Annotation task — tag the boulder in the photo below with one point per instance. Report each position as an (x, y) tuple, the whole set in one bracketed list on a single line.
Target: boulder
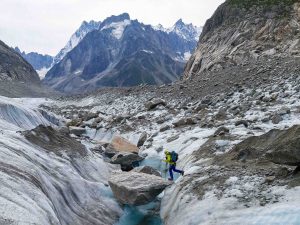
[(242, 122), (283, 111), (78, 131), (147, 170), (120, 118), (119, 144), (180, 122), (100, 147), (277, 146), (75, 122), (200, 107), (185, 121), (276, 119), (136, 188), (98, 119), (154, 103), (94, 125), (221, 131), (173, 138), (142, 139), (164, 128), (221, 115), (126, 158), (90, 115)]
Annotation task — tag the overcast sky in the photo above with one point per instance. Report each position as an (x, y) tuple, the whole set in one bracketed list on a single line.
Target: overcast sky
[(45, 26)]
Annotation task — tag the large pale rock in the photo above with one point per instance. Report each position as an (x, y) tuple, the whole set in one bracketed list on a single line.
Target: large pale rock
[(147, 170), (119, 144), (136, 188)]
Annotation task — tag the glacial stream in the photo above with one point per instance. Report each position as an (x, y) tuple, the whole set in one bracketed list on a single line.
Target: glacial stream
[(50, 187), (143, 215), (137, 215)]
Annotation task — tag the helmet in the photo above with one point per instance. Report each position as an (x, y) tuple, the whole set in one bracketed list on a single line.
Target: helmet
[(166, 152)]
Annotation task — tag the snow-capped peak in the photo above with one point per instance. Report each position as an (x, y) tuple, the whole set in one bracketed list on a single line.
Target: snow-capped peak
[(118, 23), (118, 28), (114, 19), (159, 27), (186, 31), (85, 28)]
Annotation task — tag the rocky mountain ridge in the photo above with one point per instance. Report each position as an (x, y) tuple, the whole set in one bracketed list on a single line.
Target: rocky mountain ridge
[(38, 61), (244, 33), (14, 68), (41, 63), (124, 52), (79, 34)]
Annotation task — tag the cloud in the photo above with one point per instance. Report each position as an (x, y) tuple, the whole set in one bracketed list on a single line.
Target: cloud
[(46, 25)]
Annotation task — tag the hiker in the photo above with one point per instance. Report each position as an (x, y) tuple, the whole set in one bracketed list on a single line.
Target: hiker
[(171, 159)]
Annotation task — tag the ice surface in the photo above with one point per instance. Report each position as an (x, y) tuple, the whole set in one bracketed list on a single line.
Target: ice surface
[(180, 205), (187, 209), (40, 187)]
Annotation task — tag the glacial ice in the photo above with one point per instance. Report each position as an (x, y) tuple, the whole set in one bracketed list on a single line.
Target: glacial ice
[(40, 187)]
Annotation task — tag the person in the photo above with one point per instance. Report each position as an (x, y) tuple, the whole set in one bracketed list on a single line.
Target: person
[(171, 158)]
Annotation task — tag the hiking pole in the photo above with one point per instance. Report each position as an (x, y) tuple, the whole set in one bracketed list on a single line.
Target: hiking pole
[(165, 170)]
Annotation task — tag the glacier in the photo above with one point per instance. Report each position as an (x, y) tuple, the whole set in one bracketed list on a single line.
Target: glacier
[(40, 187)]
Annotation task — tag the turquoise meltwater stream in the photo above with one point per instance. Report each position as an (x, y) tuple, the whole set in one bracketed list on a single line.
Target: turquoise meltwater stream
[(143, 215)]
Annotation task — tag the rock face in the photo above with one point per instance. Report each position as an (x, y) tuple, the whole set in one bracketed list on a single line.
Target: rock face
[(244, 32), (38, 61), (14, 68), (79, 34), (122, 52), (136, 188), (17, 77)]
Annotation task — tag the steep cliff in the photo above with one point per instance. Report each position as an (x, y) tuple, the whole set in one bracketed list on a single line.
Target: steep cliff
[(13, 67), (242, 33)]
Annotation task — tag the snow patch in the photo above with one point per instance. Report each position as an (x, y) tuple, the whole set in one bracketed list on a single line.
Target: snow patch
[(147, 51), (187, 55), (42, 72), (118, 28)]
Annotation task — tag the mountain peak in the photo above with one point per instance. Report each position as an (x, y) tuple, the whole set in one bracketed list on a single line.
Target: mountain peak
[(179, 22), (124, 16), (17, 49), (115, 19), (89, 25), (186, 31)]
